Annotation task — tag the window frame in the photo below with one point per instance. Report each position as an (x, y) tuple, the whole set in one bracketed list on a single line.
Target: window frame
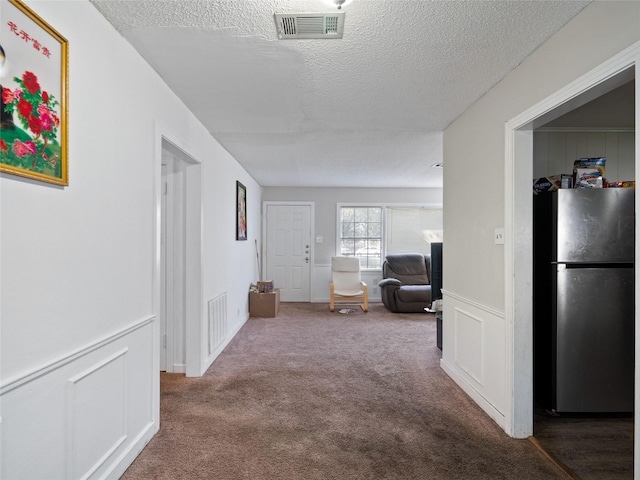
[(383, 239)]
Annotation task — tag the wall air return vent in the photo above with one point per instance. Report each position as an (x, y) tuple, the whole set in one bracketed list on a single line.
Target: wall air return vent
[(309, 25)]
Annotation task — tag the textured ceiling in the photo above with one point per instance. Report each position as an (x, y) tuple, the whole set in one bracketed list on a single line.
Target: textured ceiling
[(367, 110)]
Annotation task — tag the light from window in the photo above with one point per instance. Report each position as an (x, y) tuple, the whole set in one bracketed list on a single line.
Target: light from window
[(411, 229), (361, 235)]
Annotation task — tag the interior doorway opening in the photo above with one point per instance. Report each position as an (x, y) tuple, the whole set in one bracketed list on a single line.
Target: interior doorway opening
[(518, 223), (584, 345), (179, 261)]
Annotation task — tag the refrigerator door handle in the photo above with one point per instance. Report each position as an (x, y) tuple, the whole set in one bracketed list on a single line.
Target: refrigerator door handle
[(595, 264)]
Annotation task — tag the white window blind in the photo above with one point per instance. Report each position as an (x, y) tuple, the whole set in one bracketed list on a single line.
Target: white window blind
[(412, 229)]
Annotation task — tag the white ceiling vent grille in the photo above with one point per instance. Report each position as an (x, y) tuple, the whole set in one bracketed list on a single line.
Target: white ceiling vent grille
[(309, 25)]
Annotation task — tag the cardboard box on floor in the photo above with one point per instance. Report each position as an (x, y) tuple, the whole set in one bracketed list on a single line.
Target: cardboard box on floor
[(264, 304)]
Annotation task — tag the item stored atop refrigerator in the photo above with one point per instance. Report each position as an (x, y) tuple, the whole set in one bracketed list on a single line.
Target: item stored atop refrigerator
[(598, 162), (552, 183), (588, 178), (624, 184), (589, 172)]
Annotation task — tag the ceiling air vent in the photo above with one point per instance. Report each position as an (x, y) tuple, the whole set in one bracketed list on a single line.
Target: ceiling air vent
[(309, 25)]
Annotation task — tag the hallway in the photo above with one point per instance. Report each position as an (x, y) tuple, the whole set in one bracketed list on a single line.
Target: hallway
[(316, 395)]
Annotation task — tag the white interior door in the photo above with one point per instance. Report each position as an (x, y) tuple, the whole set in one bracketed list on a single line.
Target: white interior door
[(172, 303), (288, 250)]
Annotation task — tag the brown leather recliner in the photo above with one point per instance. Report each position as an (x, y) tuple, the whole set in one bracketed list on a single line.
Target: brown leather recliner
[(406, 284)]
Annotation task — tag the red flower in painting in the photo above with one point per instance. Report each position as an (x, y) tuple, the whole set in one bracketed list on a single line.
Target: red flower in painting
[(7, 96), (31, 82), (35, 125), (47, 121), (35, 110), (25, 108), (43, 109), (23, 149)]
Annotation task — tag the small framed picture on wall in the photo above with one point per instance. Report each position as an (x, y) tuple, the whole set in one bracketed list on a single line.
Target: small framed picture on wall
[(241, 211)]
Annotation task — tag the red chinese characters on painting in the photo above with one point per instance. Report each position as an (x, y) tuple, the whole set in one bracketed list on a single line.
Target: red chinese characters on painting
[(28, 38)]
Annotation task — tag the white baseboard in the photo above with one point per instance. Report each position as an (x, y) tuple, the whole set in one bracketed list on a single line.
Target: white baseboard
[(211, 358), (128, 456), (179, 368), (473, 352), (474, 394)]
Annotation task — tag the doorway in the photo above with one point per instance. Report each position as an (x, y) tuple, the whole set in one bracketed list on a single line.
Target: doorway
[(518, 221), (173, 278), (584, 418), (179, 262), (288, 249)]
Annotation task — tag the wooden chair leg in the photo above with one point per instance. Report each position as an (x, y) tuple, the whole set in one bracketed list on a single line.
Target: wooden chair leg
[(331, 299), (365, 307)]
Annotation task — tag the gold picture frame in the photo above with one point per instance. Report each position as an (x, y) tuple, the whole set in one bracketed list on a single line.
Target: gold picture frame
[(33, 68)]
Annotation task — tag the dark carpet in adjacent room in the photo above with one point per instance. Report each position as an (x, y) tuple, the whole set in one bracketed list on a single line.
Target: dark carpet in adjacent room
[(319, 395)]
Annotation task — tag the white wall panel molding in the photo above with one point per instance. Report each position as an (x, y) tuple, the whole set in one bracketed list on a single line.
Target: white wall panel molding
[(97, 401), (477, 397), (473, 354), (473, 303), (320, 279), (469, 344), (87, 414), (47, 368), (555, 150)]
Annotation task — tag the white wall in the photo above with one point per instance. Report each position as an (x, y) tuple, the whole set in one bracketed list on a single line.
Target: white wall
[(475, 326), (554, 151), (326, 200), (79, 345), (325, 203)]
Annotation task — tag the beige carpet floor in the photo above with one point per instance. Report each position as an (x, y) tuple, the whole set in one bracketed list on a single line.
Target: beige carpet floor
[(319, 395)]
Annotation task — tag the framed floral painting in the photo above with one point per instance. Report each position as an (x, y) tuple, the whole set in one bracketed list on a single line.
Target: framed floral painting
[(34, 85), (241, 211)]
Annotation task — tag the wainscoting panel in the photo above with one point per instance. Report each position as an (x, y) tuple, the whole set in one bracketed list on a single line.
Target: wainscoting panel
[(88, 413), (321, 276), (97, 412), (473, 352), (217, 322), (469, 344)]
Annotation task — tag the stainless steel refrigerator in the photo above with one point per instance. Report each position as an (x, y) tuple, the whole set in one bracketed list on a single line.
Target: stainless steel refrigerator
[(584, 297)]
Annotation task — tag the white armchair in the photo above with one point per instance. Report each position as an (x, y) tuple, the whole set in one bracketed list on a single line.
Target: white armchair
[(346, 284)]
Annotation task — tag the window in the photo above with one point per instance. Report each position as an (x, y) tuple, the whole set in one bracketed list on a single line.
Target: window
[(372, 232), (412, 229), (361, 235)]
